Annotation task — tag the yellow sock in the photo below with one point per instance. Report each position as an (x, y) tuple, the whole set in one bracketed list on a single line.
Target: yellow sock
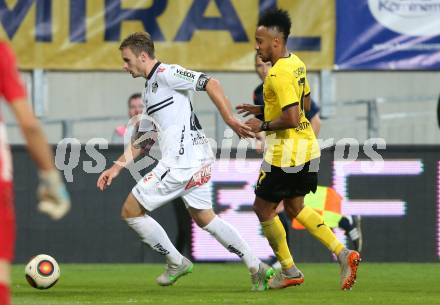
[(276, 235), (314, 223)]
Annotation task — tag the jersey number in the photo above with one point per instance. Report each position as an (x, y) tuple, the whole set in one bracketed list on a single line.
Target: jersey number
[(261, 177)]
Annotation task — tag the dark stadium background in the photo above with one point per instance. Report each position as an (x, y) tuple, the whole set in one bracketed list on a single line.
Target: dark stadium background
[(94, 232)]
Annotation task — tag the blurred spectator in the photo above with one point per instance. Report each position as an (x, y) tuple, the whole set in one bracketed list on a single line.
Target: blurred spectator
[(123, 133), (52, 195)]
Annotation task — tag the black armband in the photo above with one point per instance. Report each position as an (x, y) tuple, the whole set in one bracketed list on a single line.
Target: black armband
[(202, 82), (265, 126)]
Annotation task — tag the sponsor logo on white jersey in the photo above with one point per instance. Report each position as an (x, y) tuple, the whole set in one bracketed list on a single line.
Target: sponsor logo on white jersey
[(199, 178), (168, 112)]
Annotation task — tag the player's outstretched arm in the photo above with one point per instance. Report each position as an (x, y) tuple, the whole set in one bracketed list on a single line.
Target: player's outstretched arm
[(215, 92), (53, 197), (289, 118), (107, 176)]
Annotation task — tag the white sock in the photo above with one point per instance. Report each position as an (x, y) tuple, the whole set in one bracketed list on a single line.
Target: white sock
[(229, 237), (152, 233)]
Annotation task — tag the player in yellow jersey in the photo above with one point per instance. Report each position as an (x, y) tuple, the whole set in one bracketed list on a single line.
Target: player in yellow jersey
[(291, 161), (326, 201)]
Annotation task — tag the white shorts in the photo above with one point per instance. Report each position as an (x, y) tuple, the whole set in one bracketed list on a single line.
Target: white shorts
[(164, 184)]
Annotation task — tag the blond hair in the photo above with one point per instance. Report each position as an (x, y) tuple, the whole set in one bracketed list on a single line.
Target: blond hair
[(139, 42)]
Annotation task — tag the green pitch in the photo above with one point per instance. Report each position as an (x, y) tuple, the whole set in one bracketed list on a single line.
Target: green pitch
[(116, 284)]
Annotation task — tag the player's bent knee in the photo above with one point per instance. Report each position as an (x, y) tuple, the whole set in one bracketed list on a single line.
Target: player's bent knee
[(202, 217), (132, 208), (293, 207), (264, 210)]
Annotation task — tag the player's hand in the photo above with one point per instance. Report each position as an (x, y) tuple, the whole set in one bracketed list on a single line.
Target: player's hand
[(53, 198), (105, 179), (240, 129), (247, 109), (254, 124)]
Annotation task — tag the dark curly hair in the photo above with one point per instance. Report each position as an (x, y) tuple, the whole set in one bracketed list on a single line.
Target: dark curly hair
[(277, 18)]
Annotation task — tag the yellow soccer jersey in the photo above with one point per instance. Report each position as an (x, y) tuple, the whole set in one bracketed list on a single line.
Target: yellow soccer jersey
[(286, 84)]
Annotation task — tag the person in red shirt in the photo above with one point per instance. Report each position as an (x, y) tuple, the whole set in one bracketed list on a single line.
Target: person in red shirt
[(52, 195)]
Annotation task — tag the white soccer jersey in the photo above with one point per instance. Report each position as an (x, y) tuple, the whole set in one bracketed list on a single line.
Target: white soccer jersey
[(168, 110)]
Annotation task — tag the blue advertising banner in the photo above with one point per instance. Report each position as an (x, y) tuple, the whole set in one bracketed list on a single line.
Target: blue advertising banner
[(388, 34)]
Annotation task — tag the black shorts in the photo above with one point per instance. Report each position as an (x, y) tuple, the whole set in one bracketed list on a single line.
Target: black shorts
[(276, 183)]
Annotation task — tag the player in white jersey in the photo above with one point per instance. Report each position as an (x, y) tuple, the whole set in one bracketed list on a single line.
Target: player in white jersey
[(184, 169)]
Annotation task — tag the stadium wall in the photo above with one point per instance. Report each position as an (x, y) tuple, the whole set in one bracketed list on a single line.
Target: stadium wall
[(71, 95), (397, 200)]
